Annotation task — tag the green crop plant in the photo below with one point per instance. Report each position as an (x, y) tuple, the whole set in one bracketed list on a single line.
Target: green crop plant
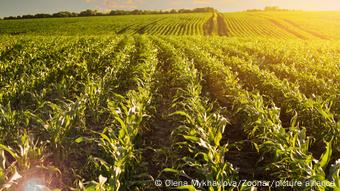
[(200, 129), (27, 162), (263, 124), (121, 102)]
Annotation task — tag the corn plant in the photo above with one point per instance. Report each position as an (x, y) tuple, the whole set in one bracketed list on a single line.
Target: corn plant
[(127, 113), (201, 130), (263, 124), (25, 162)]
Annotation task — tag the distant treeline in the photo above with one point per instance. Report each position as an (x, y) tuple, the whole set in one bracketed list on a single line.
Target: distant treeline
[(90, 12), (272, 8)]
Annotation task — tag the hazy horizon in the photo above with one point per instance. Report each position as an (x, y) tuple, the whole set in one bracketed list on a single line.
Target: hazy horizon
[(17, 7)]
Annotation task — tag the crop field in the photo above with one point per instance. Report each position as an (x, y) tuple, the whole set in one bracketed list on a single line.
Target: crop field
[(278, 25), (179, 24), (284, 25), (224, 101)]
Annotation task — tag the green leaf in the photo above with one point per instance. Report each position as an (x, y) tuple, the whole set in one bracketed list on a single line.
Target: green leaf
[(105, 137), (171, 170), (326, 156), (121, 122), (121, 134), (256, 146), (79, 140), (182, 113), (293, 120), (218, 138), (9, 150), (191, 138)]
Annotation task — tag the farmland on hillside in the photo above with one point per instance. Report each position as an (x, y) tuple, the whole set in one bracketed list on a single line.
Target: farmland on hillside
[(249, 99)]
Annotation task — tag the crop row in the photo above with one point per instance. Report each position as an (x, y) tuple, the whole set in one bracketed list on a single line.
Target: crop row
[(315, 115), (261, 123), (121, 111)]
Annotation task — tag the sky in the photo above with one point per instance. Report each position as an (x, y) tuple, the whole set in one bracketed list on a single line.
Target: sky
[(21, 7)]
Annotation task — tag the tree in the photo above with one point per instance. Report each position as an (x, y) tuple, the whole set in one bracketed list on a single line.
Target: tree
[(88, 12), (173, 11), (271, 8), (42, 15), (62, 14), (10, 18), (203, 10), (27, 16)]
